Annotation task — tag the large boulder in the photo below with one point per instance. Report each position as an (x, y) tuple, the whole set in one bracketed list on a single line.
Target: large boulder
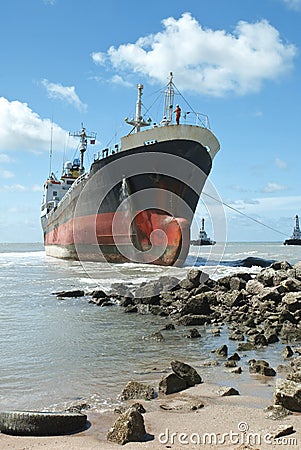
[(186, 372), (135, 389), (197, 305), (129, 427), (171, 384), (288, 394)]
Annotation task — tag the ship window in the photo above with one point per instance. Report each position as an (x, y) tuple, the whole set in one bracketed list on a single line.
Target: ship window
[(69, 182), (54, 193)]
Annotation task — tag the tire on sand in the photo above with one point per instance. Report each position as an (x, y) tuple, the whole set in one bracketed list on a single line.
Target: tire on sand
[(37, 423)]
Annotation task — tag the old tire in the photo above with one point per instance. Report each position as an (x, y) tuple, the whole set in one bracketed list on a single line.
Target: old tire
[(37, 423)]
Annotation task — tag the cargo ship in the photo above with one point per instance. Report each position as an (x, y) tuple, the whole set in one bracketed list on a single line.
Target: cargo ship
[(137, 201)]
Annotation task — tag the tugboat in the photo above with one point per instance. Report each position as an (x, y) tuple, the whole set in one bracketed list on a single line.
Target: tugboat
[(295, 238), (203, 238)]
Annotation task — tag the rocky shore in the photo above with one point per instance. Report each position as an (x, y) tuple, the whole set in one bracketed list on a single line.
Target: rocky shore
[(258, 310)]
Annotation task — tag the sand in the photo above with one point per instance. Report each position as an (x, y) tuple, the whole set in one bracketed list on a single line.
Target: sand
[(241, 418)]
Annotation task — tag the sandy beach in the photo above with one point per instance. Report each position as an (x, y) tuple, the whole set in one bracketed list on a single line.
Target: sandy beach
[(179, 421)]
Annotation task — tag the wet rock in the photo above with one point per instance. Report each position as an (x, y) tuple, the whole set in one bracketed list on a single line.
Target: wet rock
[(137, 390), (237, 370), (197, 305), (226, 391), (230, 364), (99, 293), (191, 320), (221, 351), (169, 326), (234, 357), (129, 427), (236, 336), (185, 371), (287, 352), (171, 384), (157, 336), (288, 394), (262, 368), (131, 309), (73, 294), (193, 334)]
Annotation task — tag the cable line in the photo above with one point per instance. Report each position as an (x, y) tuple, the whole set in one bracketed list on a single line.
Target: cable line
[(243, 214)]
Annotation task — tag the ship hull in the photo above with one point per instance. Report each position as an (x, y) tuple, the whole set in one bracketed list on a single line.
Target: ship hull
[(292, 242), (136, 205)]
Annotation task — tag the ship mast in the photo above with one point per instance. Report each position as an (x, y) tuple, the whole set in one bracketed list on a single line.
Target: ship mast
[(169, 99), (83, 144), (138, 122)]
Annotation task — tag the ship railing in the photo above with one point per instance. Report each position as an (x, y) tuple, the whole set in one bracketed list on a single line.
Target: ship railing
[(195, 118)]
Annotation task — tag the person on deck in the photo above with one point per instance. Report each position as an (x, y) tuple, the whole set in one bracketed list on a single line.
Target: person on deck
[(177, 111)]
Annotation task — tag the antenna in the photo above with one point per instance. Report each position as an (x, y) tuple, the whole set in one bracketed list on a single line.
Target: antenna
[(83, 144), (50, 150)]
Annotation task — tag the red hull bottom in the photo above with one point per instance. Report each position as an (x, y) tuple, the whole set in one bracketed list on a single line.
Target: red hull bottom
[(151, 238)]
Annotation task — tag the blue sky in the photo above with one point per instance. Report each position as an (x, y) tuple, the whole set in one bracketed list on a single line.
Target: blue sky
[(64, 62)]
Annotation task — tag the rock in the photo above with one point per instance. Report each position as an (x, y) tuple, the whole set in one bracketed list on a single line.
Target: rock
[(276, 412), (288, 394), (171, 384), (197, 305), (129, 427), (287, 352), (221, 351), (234, 357), (131, 309), (281, 265), (99, 293), (169, 326), (292, 301), (282, 430), (262, 368), (225, 391), (72, 294), (294, 376), (138, 406), (236, 370), (185, 371), (191, 320), (157, 336), (194, 333), (245, 346), (236, 336), (137, 390), (230, 364)]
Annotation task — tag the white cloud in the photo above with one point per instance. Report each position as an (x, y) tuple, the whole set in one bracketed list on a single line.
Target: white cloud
[(117, 79), (280, 164), (65, 93), (23, 129), (13, 188), (273, 187), (5, 158), (5, 174), (293, 4), (49, 2), (206, 61)]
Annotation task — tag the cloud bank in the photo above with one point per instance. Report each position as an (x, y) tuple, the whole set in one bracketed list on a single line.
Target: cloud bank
[(23, 129), (210, 62)]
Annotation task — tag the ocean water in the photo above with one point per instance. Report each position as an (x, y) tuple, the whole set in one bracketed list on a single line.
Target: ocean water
[(53, 352)]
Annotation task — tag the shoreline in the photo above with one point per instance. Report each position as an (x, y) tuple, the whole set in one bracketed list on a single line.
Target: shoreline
[(222, 423)]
